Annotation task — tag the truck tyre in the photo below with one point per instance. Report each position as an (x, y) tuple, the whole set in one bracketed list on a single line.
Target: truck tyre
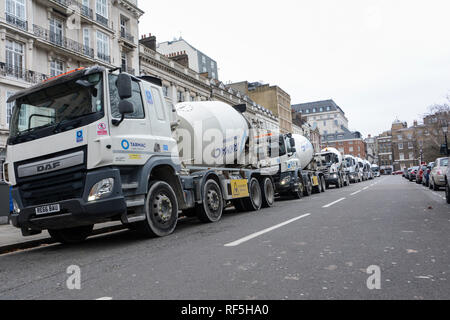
[(308, 188), (339, 183), (254, 202), (268, 192), (297, 195), (211, 209), (71, 236), (447, 193), (161, 210), (323, 184)]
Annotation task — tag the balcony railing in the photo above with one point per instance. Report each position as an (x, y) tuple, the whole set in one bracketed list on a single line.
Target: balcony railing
[(104, 57), (63, 42), (101, 19), (20, 73), (17, 22), (126, 36), (84, 10)]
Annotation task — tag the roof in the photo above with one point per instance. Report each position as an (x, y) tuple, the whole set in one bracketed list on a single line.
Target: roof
[(356, 135), (302, 107)]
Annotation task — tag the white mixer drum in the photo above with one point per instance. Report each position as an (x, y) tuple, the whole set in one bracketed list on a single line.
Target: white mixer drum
[(211, 133)]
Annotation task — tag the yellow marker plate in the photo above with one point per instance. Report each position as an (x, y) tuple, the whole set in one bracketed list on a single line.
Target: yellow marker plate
[(315, 181), (239, 189)]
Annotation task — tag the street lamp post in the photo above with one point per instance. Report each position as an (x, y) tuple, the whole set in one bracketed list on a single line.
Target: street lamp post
[(445, 130)]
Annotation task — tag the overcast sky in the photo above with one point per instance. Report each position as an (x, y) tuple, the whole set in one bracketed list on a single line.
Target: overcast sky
[(378, 60)]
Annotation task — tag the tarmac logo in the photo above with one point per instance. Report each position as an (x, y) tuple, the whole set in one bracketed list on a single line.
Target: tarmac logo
[(74, 280), (374, 281)]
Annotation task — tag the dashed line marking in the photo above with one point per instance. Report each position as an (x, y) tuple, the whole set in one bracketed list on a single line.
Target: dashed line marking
[(355, 193), (260, 233), (104, 299), (333, 203)]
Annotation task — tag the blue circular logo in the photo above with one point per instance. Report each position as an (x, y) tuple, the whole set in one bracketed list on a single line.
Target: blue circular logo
[(125, 145)]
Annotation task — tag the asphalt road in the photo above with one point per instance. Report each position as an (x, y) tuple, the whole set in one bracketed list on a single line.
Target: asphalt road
[(315, 248)]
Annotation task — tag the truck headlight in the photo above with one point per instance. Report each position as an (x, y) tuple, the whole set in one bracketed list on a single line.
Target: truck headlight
[(15, 207), (101, 189), (285, 181)]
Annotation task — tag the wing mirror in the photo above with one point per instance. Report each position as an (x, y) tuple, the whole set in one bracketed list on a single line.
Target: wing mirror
[(124, 86), (125, 107)]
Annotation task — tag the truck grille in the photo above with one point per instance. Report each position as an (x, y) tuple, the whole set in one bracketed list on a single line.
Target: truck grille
[(62, 185), (52, 187)]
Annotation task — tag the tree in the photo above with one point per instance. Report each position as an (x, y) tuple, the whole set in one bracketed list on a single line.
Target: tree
[(434, 137)]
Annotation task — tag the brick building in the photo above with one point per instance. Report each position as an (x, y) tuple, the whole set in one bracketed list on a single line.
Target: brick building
[(347, 143)]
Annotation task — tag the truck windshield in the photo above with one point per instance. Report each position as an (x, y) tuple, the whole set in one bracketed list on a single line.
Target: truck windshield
[(58, 108)]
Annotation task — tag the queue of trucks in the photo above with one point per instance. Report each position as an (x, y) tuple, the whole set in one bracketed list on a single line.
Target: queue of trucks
[(97, 145)]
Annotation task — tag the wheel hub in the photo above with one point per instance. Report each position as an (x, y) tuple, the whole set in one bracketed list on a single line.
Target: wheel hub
[(213, 200), (163, 207)]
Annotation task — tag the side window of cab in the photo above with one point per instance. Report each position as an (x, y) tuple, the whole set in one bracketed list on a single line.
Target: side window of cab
[(136, 99)]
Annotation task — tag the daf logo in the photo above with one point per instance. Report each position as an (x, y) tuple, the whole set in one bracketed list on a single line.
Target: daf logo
[(49, 166)]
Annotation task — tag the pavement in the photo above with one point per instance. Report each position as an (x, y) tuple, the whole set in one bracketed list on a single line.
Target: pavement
[(11, 238), (320, 247)]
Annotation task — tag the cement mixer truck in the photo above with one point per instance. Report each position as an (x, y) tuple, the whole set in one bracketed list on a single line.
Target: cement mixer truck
[(96, 145), (297, 176)]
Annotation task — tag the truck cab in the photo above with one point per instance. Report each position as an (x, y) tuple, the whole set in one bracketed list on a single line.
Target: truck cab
[(353, 169), (331, 161), (81, 147)]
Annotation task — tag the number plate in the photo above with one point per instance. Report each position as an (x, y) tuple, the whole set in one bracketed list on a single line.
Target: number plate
[(54, 208)]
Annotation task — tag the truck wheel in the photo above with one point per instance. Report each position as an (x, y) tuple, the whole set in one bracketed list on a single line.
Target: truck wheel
[(254, 202), (211, 209), (297, 195), (308, 189), (268, 193), (447, 193), (323, 184), (161, 208), (71, 236)]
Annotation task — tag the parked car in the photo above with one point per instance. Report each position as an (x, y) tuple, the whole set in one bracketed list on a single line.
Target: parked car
[(398, 173), (405, 173), (413, 173), (408, 173), (447, 185), (426, 175), (421, 173), (437, 176)]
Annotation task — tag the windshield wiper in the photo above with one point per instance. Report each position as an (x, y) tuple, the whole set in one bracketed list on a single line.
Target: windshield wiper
[(59, 126)]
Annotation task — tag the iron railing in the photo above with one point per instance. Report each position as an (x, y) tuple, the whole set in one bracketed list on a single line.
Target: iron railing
[(63, 42), (126, 36), (101, 19), (104, 57), (17, 22), (20, 73), (84, 10)]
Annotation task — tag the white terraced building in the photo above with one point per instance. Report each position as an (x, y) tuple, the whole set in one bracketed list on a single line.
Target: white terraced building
[(44, 38)]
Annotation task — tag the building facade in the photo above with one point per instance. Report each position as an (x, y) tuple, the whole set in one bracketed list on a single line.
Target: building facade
[(40, 39), (198, 61), (385, 155), (181, 83), (347, 143), (371, 149), (326, 115), (272, 98)]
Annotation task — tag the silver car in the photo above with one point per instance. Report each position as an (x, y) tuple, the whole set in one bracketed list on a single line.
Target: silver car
[(438, 174)]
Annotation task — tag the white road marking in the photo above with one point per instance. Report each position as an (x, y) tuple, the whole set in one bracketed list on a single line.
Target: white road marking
[(260, 233), (333, 203), (104, 299), (355, 193), (365, 188)]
